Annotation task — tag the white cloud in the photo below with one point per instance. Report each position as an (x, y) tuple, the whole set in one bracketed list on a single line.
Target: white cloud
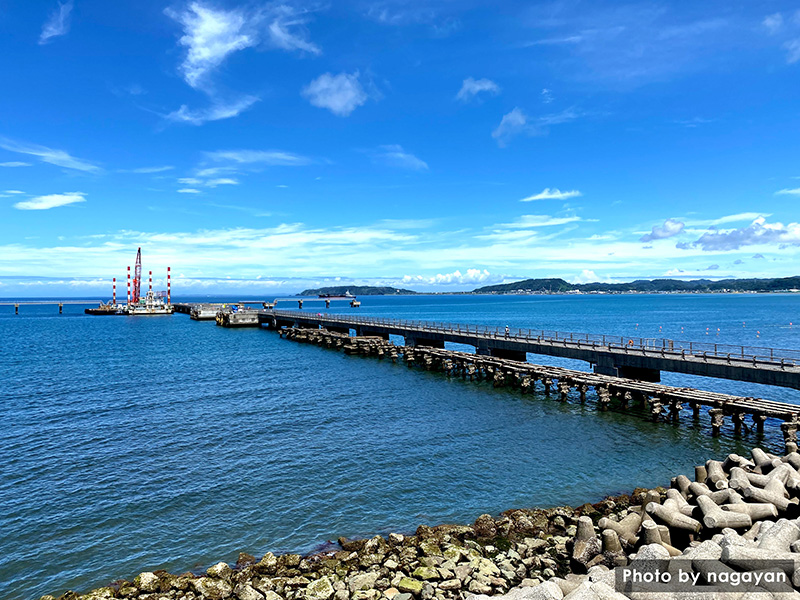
[(471, 276), (13, 192), (13, 164), (512, 124), (48, 155), (285, 31), (188, 191), (470, 88), (547, 96), (216, 112), (58, 23), (51, 201), (222, 181), (152, 169), (788, 192), (552, 194), (394, 156), (210, 35), (266, 157), (670, 228), (757, 233), (341, 94), (773, 22), (586, 276), (529, 221), (190, 181), (517, 122), (792, 51)]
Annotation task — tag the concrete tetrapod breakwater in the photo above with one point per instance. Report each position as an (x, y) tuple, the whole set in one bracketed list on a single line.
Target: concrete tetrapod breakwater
[(737, 520), (660, 401)]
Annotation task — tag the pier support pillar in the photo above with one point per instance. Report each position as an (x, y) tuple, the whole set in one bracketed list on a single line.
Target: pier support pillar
[(717, 420), (789, 430), (603, 398), (758, 421), (640, 374), (582, 388), (607, 365), (563, 390), (61, 308), (373, 333), (517, 355), (16, 309)]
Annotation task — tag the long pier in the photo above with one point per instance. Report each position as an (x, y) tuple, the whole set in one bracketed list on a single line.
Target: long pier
[(59, 303), (619, 356), (661, 402)]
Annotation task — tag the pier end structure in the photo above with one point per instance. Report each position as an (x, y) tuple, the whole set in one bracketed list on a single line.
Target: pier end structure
[(609, 355)]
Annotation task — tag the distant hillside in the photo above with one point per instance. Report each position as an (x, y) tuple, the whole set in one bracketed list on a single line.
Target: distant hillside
[(357, 290), (556, 286)]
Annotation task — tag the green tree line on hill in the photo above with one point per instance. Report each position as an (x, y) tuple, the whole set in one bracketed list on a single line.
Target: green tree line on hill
[(556, 286)]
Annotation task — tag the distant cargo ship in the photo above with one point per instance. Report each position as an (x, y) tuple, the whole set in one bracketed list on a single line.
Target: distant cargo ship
[(347, 295)]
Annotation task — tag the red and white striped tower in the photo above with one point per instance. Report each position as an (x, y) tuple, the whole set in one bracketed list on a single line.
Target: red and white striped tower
[(168, 287), (129, 284), (114, 297), (151, 281)]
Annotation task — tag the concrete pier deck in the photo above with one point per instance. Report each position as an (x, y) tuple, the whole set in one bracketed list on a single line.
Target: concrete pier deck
[(629, 357)]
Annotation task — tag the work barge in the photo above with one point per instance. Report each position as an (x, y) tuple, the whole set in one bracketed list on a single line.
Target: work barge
[(619, 392)]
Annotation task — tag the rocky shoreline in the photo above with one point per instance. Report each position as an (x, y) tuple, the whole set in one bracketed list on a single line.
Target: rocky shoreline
[(736, 512)]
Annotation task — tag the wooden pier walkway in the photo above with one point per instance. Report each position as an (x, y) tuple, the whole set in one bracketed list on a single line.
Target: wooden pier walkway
[(660, 401), (627, 357)]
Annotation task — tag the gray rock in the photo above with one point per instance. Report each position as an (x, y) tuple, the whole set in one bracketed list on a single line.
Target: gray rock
[(247, 592), (213, 589), (362, 581), (549, 590), (147, 582), (220, 570)]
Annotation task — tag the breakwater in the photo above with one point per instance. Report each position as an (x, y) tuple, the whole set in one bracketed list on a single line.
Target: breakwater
[(738, 515), (661, 402)]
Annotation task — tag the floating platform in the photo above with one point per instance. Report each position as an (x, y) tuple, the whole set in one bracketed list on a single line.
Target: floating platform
[(102, 311), (238, 318)]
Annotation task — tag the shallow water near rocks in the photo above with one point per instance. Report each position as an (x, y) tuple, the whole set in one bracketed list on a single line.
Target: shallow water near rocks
[(138, 444)]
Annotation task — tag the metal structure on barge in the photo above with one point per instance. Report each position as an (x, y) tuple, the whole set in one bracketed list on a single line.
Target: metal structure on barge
[(151, 303)]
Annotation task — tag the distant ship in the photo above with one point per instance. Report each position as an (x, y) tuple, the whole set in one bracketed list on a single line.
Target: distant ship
[(347, 295)]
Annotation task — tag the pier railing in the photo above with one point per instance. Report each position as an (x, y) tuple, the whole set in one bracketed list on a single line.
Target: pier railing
[(666, 348)]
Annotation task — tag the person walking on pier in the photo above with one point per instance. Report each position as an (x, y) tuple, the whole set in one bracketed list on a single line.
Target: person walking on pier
[(507, 330)]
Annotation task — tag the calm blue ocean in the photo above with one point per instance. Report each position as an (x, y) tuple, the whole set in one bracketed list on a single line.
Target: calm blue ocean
[(132, 444)]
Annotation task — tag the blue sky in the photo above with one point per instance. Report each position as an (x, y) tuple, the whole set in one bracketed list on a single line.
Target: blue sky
[(261, 146)]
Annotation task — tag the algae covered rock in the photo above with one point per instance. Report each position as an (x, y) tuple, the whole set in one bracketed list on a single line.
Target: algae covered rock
[(410, 585), (426, 573), (213, 589), (321, 589)]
